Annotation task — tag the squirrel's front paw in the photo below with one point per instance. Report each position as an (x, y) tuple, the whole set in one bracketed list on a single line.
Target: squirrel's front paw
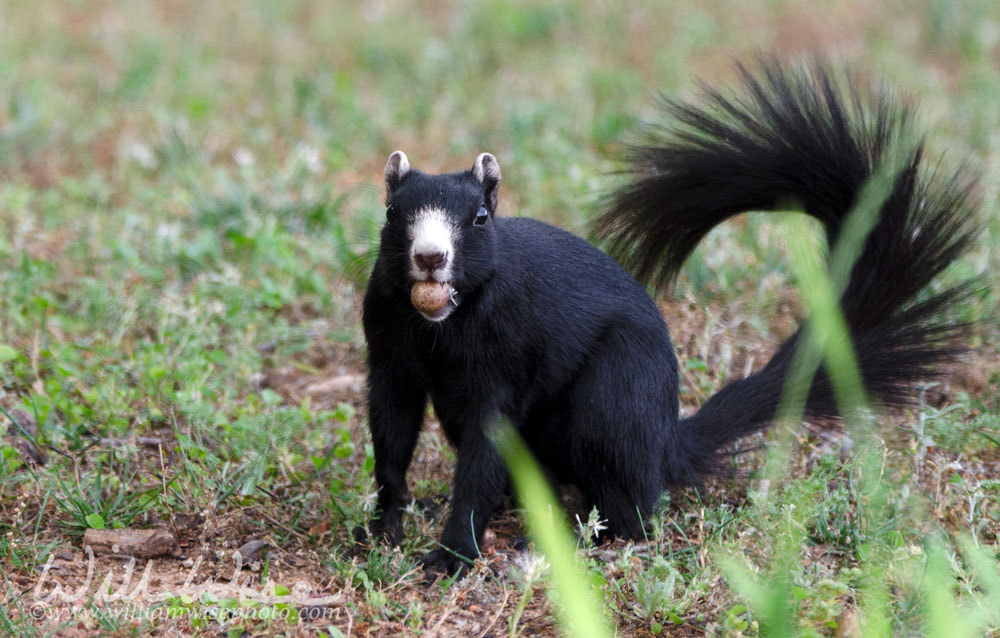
[(443, 561), (385, 528)]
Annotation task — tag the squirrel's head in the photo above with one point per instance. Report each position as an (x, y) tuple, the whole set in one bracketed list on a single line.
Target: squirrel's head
[(439, 228)]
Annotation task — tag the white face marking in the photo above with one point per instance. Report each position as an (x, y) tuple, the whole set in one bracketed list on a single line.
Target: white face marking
[(442, 314), (431, 233)]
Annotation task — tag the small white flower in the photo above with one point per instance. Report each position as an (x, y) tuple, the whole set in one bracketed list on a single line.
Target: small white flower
[(309, 156), (592, 528), (244, 157), (532, 566), (168, 232), (368, 501), (140, 153)]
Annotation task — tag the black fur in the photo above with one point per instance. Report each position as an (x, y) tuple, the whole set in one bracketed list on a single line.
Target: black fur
[(553, 334)]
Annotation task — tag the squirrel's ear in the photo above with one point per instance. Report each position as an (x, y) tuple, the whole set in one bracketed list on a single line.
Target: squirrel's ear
[(395, 168), (487, 171)]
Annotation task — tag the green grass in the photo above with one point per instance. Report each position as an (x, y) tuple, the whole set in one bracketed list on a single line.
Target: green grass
[(189, 200)]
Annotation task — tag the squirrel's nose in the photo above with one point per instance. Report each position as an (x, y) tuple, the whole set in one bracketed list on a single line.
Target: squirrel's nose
[(430, 261)]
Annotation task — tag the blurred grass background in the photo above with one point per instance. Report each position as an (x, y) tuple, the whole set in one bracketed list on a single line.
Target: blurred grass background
[(189, 193)]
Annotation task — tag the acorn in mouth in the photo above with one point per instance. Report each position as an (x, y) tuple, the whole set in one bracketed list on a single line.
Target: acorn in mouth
[(430, 297)]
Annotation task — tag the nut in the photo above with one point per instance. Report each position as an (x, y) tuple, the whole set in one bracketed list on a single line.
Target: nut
[(430, 296)]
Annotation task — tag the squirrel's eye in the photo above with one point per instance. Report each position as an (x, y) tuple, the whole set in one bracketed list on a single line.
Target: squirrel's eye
[(481, 216), (390, 211)]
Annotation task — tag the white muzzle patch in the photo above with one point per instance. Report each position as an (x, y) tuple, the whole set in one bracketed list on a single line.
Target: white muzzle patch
[(431, 233)]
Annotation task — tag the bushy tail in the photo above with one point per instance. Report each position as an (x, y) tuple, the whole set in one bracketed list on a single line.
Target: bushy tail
[(803, 139)]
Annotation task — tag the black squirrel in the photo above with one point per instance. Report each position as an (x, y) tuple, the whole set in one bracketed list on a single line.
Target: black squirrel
[(543, 328)]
